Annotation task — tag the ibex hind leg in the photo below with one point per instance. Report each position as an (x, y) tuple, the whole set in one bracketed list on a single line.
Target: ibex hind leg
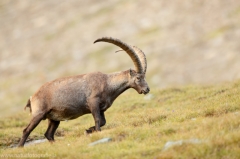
[(26, 132), (52, 127)]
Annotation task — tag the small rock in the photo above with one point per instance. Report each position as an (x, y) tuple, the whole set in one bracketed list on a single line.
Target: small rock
[(104, 140), (34, 142), (148, 96), (180, 142)]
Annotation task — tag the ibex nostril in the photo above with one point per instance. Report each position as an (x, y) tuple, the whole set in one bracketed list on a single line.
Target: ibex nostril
[(148, 90)]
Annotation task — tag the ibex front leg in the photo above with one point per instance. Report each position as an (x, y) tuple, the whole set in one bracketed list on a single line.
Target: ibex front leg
[(99, 119)]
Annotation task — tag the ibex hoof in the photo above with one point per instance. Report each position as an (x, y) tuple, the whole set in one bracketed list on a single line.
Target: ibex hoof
[(88, 132)]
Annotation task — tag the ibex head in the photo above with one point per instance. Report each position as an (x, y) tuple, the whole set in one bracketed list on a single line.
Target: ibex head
[(137, 76)]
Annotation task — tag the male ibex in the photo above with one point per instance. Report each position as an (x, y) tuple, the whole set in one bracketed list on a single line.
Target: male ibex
[(70, 97)]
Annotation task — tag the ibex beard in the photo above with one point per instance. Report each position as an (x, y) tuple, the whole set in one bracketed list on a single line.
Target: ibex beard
[(70, 97)]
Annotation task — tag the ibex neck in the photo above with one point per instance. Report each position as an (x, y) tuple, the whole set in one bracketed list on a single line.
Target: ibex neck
[(118, 83)]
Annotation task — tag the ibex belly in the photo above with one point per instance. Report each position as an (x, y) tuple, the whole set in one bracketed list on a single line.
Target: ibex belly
[(67, 112)]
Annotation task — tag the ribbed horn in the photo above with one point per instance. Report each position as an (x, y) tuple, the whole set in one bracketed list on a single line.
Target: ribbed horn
[(128, 49), (141, 57)]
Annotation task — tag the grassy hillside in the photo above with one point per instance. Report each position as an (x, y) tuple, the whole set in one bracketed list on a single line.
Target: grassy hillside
[(44, 40), (140, 127), (185, 43)]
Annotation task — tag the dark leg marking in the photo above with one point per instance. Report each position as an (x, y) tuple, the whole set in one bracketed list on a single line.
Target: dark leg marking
[(101, 122), (52, 127)]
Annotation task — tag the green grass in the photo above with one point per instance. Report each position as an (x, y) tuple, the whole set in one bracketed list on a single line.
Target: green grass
[(140, 128)]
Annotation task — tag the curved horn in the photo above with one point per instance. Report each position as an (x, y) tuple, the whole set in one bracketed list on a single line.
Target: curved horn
[(142, 58), (128, 49)]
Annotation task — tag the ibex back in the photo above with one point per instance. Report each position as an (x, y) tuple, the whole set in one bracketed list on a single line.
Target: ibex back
[(70, 97)]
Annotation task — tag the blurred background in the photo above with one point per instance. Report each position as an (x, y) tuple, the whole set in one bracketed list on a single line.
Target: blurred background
[(186, 42)]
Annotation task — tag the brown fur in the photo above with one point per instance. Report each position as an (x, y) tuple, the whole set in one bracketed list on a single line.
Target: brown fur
[(70, 97)]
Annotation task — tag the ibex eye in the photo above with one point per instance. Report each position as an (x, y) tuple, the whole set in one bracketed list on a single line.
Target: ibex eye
[(138, 78)]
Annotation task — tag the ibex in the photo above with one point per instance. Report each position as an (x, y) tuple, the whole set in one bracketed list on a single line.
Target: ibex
[(70, 97)]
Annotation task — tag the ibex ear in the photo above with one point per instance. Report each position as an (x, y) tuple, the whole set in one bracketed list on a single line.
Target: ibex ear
[(132, 72)]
